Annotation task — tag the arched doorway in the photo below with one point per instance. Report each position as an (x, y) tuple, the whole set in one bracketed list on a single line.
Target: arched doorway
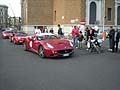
[(118, 15), (92, 13)]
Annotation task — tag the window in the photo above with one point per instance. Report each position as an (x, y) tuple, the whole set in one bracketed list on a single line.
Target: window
[(118, 15), (92, 13), (109, 14), (55, 16)]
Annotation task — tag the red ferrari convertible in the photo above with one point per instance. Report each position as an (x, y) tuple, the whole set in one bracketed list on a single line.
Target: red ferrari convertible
[(49, 45), (18, 38)]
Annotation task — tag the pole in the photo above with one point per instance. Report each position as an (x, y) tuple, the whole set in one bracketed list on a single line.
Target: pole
[(103, 15), (103, 32)]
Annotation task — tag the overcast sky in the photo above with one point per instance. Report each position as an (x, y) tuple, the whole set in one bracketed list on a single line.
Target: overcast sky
[(14, 8)]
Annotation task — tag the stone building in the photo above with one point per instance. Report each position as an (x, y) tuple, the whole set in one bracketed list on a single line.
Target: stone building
[(3, 16), (68, 12)]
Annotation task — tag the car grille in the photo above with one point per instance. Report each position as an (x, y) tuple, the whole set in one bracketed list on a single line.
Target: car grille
[(65, 51)]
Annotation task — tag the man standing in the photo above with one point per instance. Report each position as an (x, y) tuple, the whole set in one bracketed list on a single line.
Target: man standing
[(51, 30), (111, 38), (91, 33), (37, 30), (60, 32), (75, 34), (116, 40)]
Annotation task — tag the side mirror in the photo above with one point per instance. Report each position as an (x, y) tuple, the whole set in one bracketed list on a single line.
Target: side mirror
[(33, 38), (30, 37)]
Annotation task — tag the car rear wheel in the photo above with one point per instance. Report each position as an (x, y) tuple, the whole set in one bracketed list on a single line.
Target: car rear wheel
[(10, 40), (24, 45), (41, 52)]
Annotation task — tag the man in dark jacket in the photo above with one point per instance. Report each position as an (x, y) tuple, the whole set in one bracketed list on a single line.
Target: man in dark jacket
[(91, 33), (60, 32), (116, 40), (111, 37)]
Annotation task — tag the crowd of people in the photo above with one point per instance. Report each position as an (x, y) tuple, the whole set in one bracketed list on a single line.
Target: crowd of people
[(88, 35), (113, 34), (44, 29)]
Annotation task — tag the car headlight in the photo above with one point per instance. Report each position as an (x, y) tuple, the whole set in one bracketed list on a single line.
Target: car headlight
[(4, 34), (19, 38), (71, 44), (49, 45)]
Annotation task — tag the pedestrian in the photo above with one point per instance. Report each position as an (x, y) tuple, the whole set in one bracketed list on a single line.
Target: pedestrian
[(46, 30), (75, 34), (87, 33), (91, 33), (60, 32), (51, 30), (111, 38), (116, 41), (82, 29), (43, 30), (80, 39), (90, 36), (37, 30)]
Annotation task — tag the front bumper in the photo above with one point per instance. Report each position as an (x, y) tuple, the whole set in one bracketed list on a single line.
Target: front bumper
[(59, 53), (5, 37), (19, 41)]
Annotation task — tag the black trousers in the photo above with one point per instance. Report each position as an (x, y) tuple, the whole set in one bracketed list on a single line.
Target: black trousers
[(111, 43), (115, 46)]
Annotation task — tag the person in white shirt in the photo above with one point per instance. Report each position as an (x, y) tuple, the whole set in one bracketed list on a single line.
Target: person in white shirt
[(82, 29), (37, 30)]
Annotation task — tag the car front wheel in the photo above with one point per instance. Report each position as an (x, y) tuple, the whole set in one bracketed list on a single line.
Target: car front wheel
[(24, 45), (41, 52)]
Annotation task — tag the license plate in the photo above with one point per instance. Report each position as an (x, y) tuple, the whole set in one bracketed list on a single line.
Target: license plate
[(66, 54)]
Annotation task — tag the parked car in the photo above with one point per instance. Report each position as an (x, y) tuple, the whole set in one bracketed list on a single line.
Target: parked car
[(18, 38), (49, 45), (7, 34)]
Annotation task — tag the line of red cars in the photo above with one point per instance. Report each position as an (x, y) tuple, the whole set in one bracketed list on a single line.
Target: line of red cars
[(14, 36), (44, 44)]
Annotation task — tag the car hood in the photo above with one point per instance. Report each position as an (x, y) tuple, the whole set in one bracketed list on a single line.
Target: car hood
[(59, 43), (21, 37), (8, 34)]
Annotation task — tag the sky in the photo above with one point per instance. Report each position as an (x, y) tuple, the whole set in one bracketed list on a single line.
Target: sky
[(14, 8)]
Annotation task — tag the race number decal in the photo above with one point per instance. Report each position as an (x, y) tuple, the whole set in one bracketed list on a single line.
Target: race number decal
[(12, 38), (30, 44)]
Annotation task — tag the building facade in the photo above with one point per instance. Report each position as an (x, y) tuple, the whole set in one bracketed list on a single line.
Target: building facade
[(3, 16), (102, 13)]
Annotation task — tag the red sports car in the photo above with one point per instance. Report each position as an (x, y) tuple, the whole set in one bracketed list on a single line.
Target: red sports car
[(49, 45), (18, 38), (7, 34)]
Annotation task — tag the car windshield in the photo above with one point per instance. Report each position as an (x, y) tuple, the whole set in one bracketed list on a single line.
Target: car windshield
[(21, 34), (46, 37), (10, 31)]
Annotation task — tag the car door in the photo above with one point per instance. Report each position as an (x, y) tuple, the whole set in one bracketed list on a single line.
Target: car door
[(35, 43)]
